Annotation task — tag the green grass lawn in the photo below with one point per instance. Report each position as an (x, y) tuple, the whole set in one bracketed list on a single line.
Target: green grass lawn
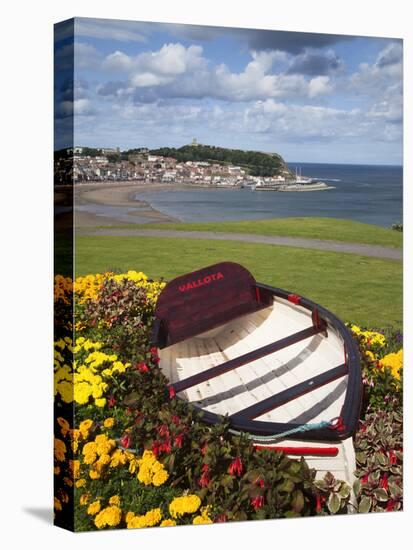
[(314, 228), (366, 291)]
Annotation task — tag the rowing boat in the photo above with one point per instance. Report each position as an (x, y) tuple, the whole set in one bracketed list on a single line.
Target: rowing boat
[(285, 370)]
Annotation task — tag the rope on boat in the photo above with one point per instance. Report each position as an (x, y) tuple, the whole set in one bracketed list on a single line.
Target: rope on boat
[(300, 429)]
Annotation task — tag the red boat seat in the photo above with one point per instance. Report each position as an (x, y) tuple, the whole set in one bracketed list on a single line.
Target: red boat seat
[(205, 299)]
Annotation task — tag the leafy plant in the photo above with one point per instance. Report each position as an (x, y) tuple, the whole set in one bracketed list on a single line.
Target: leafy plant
[(379, 455)]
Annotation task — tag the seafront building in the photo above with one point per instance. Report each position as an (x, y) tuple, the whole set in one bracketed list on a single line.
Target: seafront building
[(143, 167), (81, 165)]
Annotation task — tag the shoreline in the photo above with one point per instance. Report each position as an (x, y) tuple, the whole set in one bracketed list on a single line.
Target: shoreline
[(121, 199)]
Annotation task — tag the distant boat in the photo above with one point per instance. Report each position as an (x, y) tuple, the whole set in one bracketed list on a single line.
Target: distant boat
[(298, 183), (302, 179), (284, 369)]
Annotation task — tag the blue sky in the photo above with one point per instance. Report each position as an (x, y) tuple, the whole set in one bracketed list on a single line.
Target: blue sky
[(309, 97)]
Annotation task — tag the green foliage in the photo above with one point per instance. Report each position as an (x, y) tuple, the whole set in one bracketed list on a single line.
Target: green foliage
[(257, 163), (90, 152), (397, 227), (333, 495), (383, 391), (121, 318), (379, 455)]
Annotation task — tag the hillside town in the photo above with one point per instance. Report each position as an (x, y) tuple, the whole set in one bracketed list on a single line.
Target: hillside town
[(143, 167), (140, 166)]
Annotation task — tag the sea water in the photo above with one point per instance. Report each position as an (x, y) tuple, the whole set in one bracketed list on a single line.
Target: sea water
[(370, 194)]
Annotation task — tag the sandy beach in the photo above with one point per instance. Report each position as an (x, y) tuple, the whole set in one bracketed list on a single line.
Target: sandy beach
[(115, 204)]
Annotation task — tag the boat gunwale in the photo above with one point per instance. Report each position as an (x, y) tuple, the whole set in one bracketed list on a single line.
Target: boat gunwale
[(350, 411)]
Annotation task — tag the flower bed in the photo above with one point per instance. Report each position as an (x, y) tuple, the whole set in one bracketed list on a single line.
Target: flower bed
[(129, 456)]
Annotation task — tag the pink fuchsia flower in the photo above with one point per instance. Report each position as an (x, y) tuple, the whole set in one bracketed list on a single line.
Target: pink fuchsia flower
[(318, 504), (154, 353), (260, 482), (165, 447), (125, 441), (171, 392), (257, 502), (205, 477), (235, 468), (178, 440), (142, 367), (163, 430), (155, 448)]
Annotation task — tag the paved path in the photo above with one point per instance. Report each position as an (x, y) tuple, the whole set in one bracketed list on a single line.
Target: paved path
[(318, 244)]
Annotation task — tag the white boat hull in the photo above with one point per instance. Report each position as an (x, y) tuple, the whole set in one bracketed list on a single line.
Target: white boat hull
[(260, 379)]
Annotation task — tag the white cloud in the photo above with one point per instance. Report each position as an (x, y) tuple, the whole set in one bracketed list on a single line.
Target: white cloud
[(117, 61), (171, 59), (376, 77), (78, 107), (392, 54), (184, 72), (319, 85), (310, 122), (86, 56)]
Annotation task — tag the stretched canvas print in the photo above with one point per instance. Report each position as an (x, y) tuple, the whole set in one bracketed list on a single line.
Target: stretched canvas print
[(228, 274)]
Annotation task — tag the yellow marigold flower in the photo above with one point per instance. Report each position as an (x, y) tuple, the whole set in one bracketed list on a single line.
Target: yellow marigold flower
[(90, 458), (74, 466), (60, 344), (104, 445), (68, 481), (187, 504), (160, 477), (150, 519), (370, 355), (394, 362), (129, 516), (84, 427), (133, 464), (115, 500), (57, 504), (104, 460), (150, 470), (109, 422), (118, 458), (82, 392), (94, 508), (56, 470), (109, 516), (80, 483), (89, 447), (64, 497), (167, 523), (64, 425), (200, 520), (153, 517), (100, 402), (94, 474), (65, 388), (59, 449), (84, 499)]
